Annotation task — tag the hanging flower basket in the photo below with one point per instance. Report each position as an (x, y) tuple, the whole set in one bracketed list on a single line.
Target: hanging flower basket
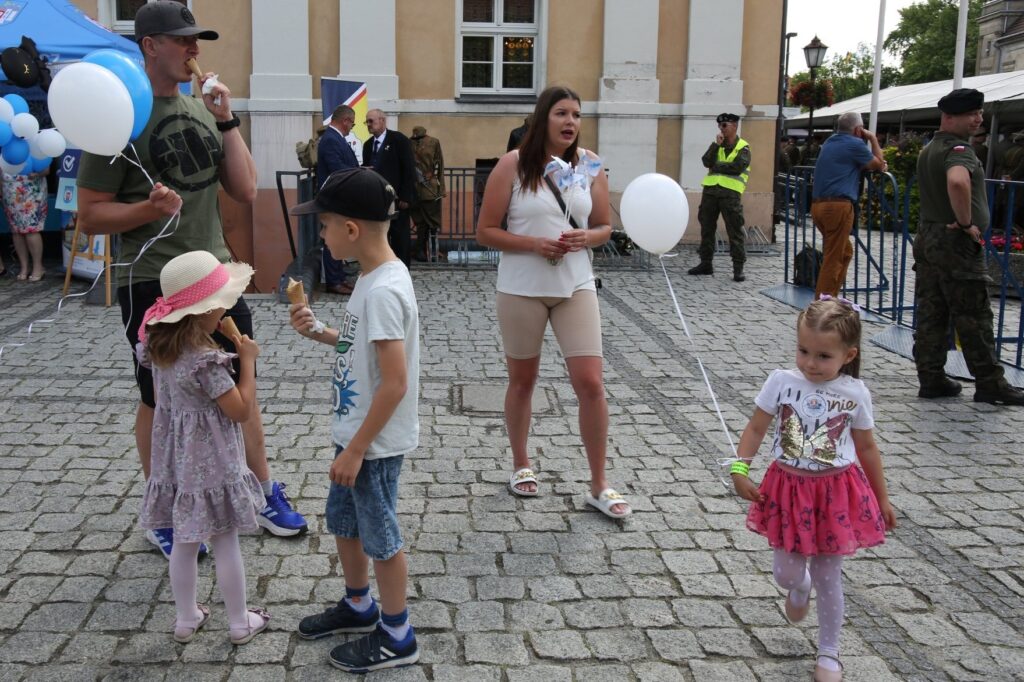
[(819, 96)]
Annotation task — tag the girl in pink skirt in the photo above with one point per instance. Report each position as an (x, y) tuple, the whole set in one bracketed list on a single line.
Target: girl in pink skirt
[(824, 495)]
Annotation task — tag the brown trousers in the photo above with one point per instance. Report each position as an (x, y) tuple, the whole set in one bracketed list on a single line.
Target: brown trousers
[(834, 219)]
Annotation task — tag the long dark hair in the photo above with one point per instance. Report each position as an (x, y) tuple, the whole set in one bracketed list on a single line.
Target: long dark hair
[(532, 153)]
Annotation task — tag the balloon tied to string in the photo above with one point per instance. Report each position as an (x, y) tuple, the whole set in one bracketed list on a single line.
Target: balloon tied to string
[(655, 213)]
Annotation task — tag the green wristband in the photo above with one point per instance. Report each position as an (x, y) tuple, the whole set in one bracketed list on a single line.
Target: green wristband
[(741, 468)]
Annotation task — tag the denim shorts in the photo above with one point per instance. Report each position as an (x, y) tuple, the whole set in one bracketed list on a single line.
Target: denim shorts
[(368, 510)]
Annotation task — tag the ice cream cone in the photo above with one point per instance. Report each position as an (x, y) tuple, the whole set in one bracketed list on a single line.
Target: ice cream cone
[(295, 291), (194, 66), (228, 328)]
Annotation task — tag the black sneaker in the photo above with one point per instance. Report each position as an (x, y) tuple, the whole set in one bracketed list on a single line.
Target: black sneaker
[(1000, 395), (339, 619), (947, 389), (375, 651)]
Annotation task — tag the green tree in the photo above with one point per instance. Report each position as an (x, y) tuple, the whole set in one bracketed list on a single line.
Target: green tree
[(850, 73), (925, 40)]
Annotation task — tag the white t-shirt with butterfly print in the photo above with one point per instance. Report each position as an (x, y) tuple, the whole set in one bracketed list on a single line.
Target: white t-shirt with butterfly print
[(813, 420)]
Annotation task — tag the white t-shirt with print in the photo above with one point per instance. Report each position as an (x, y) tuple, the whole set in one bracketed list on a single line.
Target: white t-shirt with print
[(382, 308), (813, 420)]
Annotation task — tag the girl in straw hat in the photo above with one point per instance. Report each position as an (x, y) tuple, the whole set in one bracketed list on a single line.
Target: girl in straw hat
[(199, 483)]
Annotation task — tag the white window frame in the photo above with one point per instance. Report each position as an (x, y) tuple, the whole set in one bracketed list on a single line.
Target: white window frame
[(107, 11), (499, 30)]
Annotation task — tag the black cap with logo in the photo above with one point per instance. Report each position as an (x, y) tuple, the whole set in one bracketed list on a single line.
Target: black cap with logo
[(167, 17), (359, 193)]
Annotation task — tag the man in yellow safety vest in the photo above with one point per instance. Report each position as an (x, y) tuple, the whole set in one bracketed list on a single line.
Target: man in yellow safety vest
[(728, 164)]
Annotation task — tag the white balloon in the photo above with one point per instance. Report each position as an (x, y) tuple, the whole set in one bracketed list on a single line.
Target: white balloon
[(25, 126), (654, 212), (50, 143), (6, 111), (91, 108), (33, 147), (10, 168)]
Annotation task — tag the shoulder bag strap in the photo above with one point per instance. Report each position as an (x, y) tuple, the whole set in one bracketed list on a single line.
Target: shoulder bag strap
[(561, 202)]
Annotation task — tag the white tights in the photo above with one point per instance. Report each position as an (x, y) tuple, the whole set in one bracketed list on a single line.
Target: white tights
[(826, 574), (230, 581)]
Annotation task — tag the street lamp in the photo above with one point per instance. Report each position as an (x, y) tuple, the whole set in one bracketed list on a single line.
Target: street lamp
[(814, 53), (785, 72)]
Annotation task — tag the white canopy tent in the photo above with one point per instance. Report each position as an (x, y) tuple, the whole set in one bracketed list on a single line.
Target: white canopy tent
[(1004, 96)]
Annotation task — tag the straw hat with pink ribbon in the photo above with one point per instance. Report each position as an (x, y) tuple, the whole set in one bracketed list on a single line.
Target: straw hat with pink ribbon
[(195, 283)]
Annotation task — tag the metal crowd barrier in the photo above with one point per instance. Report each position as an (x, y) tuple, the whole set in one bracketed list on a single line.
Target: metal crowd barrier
[(880, 278)]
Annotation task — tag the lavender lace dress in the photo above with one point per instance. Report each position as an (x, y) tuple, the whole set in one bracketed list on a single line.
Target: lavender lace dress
[(199, 484)]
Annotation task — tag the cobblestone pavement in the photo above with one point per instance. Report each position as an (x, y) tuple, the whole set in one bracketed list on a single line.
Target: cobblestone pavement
[(506, 589)]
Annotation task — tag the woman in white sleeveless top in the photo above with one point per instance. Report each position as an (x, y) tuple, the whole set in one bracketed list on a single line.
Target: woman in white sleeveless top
[(545, 276)]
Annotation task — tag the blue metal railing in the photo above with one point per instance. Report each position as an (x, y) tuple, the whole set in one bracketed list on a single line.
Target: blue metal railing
[(880, 278)]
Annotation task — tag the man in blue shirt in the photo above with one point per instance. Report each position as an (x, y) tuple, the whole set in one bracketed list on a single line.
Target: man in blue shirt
[(836, 188), (334, 153)]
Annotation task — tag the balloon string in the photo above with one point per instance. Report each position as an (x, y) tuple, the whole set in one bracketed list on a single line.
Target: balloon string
[(700, 363), (175, 219)]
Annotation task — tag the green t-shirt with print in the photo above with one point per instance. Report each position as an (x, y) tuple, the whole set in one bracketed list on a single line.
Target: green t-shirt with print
[(181, 148)]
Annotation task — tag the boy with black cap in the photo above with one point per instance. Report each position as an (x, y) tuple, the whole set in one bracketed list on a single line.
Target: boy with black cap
[(728, 164), (952, 280), (375, 421)]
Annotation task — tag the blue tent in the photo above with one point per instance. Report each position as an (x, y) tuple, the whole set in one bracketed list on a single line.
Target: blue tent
[(62, 33)]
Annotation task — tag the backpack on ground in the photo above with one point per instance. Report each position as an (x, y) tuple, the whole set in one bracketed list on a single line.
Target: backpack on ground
[(806, 266)]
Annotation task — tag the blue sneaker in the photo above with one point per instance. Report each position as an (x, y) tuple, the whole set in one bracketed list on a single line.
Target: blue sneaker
[(278, 516), (339, 619), (163, 538), (375, 651)]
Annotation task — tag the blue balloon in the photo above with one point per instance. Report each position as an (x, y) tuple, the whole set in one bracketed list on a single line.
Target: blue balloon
[(129, 72), (16, 151), (5, 133), (17, 103), (39, 165)]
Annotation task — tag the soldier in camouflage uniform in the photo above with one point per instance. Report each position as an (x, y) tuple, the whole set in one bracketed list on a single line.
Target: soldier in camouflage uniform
[(728, 164), (952, 280), (426, 212)]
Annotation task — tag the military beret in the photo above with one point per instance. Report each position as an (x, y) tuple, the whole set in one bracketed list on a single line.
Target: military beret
[(961, 101), (727, 118)]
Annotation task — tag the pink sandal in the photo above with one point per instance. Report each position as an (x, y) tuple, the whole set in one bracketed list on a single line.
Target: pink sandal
[(249, 630), (184, 635)]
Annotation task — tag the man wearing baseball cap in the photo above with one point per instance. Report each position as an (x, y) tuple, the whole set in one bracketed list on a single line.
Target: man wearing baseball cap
[(951, 278), (728, 164), (190, 147), (374, 425)]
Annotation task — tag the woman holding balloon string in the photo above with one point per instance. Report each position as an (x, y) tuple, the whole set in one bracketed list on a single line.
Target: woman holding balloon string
[(557, 210)]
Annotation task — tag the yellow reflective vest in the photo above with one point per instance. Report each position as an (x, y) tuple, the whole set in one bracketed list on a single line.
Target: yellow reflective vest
[(736, 183)]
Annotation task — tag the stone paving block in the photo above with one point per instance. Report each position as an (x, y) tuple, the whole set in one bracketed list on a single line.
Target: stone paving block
[(497, 587), (539, 673), (530, 616), (499, 649), (930, 629), (63, 673), (559, 645), (706, 671), (988, 629), (62, 617), (726, 642), (676, 645), (480, 617), (31, 647)]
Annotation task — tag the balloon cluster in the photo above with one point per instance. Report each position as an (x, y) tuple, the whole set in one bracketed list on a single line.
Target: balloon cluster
[(24, 148), (101, 103)]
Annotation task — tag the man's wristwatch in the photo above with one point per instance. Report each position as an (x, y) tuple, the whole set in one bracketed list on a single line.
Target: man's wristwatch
[(962, 226), (224, 126)]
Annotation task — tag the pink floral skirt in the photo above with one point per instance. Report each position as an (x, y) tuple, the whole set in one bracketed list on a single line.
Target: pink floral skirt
[(834, 513)]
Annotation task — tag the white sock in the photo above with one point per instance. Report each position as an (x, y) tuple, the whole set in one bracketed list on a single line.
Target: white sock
[(362, 606), (268, 487), (397, 632)]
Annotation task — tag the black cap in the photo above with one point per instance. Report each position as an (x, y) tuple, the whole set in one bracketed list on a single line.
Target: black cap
[(961, 101), (359, 193), (727, 118), (166, 17)]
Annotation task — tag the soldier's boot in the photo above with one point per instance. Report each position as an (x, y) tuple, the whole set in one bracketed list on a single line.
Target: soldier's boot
[(702, 268), (947, 388), (737, 272), (999, 394)]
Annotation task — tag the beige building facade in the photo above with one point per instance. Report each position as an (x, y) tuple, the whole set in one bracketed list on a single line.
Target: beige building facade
[(1000, 37), (653, 74)]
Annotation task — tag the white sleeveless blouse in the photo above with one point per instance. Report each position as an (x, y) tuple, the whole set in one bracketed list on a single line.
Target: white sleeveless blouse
[(537, 214)]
